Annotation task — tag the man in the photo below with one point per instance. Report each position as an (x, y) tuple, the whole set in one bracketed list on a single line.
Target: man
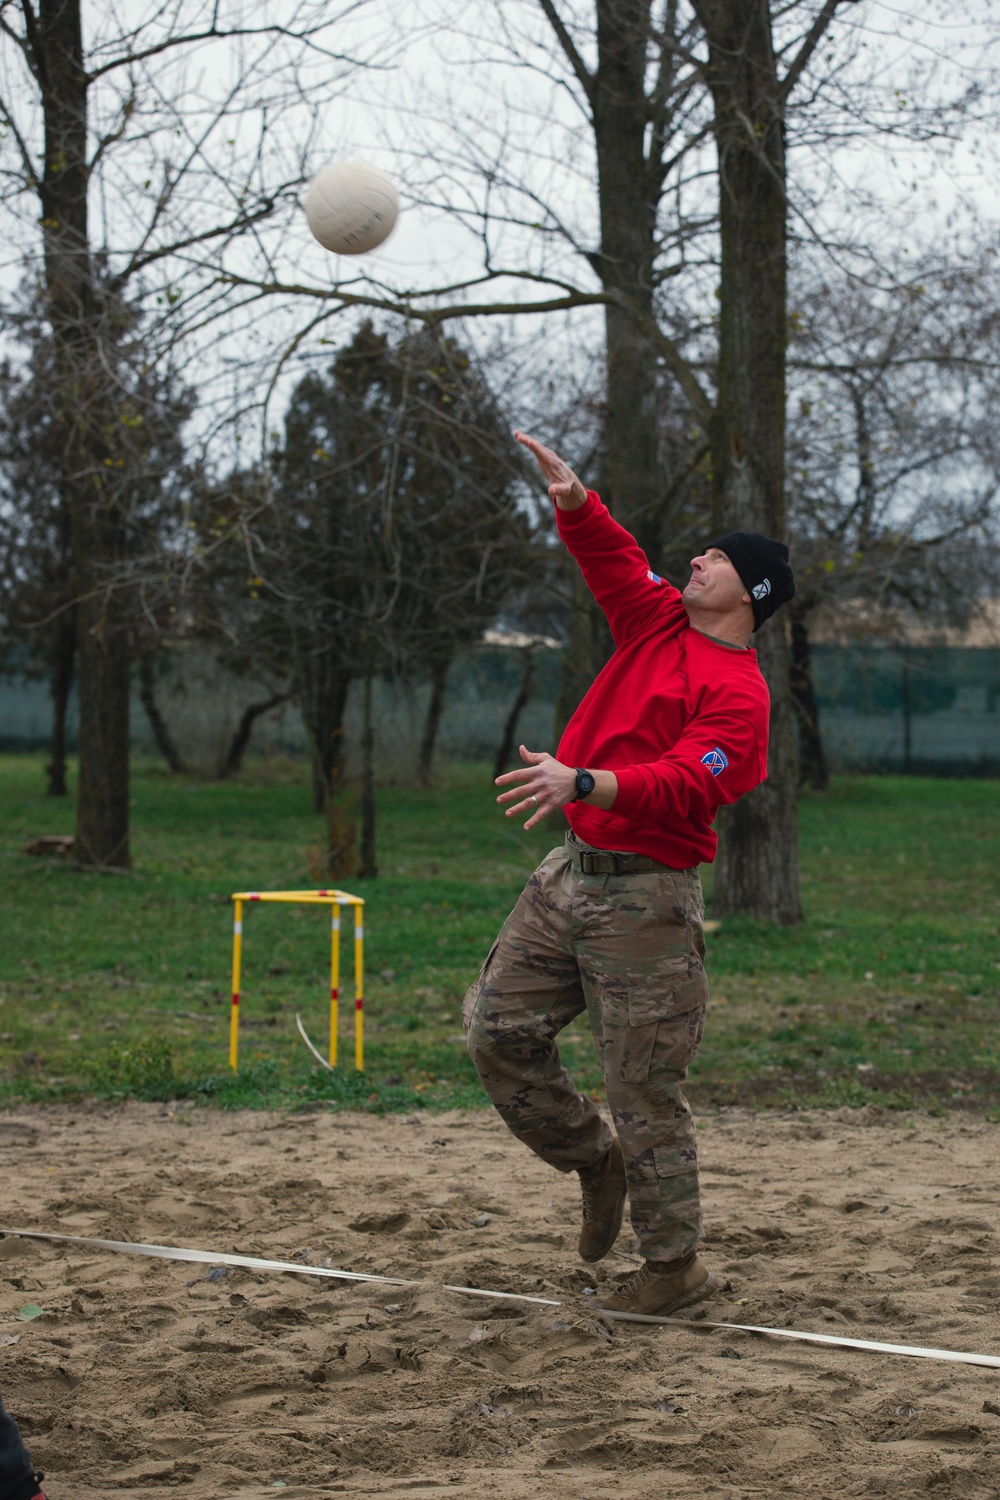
[(675, 725), (18, 1480)]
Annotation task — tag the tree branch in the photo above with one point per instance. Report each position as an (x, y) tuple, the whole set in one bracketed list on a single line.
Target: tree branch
[(812, 40), (29, 43), (34, 177), (210, 35), (405, 308), (128, 109), (584, 76), (140, 262), (683, 372)]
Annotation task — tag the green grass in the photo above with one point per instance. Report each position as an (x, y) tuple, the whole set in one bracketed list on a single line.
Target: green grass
[(118, 986)]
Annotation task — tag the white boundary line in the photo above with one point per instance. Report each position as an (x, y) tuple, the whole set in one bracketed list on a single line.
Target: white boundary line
[(256, 1263)]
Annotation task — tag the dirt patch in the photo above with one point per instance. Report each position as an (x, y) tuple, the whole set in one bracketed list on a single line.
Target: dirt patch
[(141, 1375)]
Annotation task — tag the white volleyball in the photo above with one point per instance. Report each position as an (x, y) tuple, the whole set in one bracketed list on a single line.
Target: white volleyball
[(351, 207)]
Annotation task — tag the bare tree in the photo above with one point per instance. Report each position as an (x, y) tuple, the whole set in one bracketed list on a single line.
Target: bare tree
[(894, 455), (123, 114), (608, 197), (611, 199), (646, 89), (147, 479)]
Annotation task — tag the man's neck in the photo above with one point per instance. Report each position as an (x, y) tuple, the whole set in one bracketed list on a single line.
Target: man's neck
[(718, 641), (727, 630)]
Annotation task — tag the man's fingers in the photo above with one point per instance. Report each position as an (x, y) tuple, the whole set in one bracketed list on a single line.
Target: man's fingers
[(549, 462), (528, 805), (532, 444), (532, 757), (514, 793), (512, 778)]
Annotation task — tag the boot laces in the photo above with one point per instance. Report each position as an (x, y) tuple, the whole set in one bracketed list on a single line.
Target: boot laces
[(590, 1181), (589, 1190), (635, 1283)]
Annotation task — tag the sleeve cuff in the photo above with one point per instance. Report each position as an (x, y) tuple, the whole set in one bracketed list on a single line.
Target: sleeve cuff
[(567, 520), (631, 788)]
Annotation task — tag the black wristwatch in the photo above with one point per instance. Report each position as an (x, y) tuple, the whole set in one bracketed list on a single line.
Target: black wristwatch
[(585, 784)]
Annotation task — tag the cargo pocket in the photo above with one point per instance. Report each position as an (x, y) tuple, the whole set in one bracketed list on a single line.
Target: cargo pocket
[(675, 1161), (675, 985), (658, 1010), (637, 1052), (475, 988)]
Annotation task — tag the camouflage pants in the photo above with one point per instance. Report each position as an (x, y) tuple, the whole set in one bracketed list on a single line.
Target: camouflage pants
[(628, 948)]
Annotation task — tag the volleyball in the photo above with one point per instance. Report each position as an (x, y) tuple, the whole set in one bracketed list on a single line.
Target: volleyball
[(351, 207)]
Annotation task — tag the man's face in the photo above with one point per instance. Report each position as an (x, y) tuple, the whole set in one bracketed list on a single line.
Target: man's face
[(715, 584)]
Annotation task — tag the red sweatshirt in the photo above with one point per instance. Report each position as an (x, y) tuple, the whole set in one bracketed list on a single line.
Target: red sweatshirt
[(681, 720)]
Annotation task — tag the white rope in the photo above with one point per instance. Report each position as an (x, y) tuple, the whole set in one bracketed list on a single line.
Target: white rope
[(256, 1263), (992, 1360), (316, 1054)]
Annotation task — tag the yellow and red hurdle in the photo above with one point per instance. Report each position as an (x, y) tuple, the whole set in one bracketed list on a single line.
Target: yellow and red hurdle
[(336, 900)]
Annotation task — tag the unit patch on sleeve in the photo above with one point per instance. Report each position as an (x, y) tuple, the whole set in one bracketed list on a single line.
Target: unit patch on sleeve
[(716, 760), (653, 577)]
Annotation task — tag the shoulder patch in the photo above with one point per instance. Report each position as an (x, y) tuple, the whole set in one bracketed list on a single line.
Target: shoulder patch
[(653, 577), (716, 760)]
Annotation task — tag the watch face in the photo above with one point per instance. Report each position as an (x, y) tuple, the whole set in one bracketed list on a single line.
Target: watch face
[(585, 783)]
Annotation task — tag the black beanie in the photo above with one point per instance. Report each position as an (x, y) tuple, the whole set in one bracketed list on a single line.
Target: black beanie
[(763, 568)]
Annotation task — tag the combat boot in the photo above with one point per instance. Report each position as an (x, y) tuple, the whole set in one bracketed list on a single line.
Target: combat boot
[(604, 1192), (660, 1288)]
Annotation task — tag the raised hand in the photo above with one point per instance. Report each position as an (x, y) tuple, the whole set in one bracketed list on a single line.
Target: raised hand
[(541, 786), (564, 487)]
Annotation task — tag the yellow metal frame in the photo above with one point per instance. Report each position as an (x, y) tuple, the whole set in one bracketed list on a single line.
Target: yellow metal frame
[(335, 900)]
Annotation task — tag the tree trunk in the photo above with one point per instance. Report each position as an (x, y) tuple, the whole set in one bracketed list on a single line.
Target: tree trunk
[(757, 873), (757, 869), (629, 186), (341, 834), (506, 751), (322, 683), (233, 759), (157, 723), (812, 761), (102, 821), (62, 661), (99, 534), (631, 481), (368, 868), (432, 723)]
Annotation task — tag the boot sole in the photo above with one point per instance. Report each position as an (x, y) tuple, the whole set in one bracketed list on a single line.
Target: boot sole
[(608, 1244)]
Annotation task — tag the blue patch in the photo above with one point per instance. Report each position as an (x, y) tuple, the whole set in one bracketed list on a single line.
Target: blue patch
[(716, 760), (654, 577)]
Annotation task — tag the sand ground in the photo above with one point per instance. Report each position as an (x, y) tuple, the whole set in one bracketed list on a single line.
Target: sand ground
[(141, 1374)]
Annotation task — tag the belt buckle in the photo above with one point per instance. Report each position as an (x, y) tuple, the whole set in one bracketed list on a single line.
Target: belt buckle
[(586, 862)]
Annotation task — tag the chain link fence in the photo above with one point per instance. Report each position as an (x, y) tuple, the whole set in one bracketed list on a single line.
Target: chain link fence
[(914, 710), (920, 710)]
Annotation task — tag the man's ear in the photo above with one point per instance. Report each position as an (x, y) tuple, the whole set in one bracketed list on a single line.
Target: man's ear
[(747, 600)]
